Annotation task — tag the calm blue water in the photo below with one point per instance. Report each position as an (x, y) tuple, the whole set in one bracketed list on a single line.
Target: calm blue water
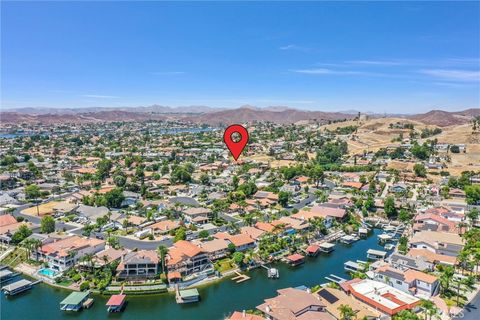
[(217, 300)]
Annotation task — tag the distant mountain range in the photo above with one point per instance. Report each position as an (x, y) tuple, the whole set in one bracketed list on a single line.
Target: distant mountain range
[(212, 116)]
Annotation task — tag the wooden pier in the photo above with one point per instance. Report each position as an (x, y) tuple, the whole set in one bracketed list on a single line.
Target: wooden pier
[(240, 277)]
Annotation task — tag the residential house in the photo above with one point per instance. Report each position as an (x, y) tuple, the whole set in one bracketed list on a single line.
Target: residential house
[(334, 298), (293, 304), (197, 215), (410, 281), (142, 264), (444, 243), (187, 258), (381, 296), (64, 253), (215, 249)]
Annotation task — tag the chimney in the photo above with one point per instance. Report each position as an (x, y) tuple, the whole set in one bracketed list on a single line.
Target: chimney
[(244, 314)]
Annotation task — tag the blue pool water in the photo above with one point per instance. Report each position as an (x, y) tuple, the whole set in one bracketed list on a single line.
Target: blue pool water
[(47, 272)]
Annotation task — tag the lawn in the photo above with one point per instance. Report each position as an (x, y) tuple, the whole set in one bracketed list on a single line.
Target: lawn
[(43, 209), (224, 265), (15, 257)]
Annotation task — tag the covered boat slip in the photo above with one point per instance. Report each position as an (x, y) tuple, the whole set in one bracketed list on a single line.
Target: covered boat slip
[(17, 287), (327, 247), (187, 296), (376, 254), (116, 303), (6, 274), (75, 301), (354, 266)]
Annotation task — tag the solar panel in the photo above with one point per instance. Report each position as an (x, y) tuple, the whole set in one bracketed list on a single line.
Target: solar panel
[(327, 296)]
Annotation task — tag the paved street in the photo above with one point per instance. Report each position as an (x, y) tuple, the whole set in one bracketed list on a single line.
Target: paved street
[(471, 310)]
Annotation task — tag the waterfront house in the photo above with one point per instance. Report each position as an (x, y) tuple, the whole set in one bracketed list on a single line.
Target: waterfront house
[(187, 258), (252, 232), (242, 242), (142, 264), (215, 249), (410, 281), (444, 243), (64, 253), (381, 296), (328, 213), (432, 257), (433, 222), (334, 298), (404, 262), (244, 316), (293, 304)]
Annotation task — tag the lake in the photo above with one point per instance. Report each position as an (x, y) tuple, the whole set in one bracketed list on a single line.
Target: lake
[(218, 300)]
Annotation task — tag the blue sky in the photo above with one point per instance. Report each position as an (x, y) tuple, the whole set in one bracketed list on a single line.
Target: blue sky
[(384, 57)]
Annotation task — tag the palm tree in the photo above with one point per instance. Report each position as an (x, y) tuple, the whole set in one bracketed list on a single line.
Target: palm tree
[(35, 245), (429, 308), (28, 245), (446, 277), (346, 312), (162, 253), (88, 259)]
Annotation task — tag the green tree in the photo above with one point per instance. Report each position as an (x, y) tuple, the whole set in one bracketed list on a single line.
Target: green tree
[(180, 234), (346, 312), (162, 253), (114, 198), (205, 179), (22, 233), (473, 194), (389, 207), (403, 244), (103, 169), (47, 224), (283, 198), (238, 258), (32, 192), (317, 175), (203, 234), (420, 170)]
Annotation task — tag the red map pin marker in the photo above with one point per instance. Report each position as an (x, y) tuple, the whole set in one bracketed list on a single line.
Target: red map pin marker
[(235, 148)]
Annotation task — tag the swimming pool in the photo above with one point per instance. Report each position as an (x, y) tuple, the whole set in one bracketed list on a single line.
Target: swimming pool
[(47, 272)]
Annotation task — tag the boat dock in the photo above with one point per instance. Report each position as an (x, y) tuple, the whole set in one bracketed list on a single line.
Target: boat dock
[(272, 273), (336, 279), (76, 301), (348, 239), (6, 274), (240, 277), (353, 266), (327, 247), (376, 254), (18, 287), (186, 295), (116, 303)]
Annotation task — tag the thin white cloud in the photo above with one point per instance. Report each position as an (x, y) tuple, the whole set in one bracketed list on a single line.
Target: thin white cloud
[(379, 62), (167, 73), (294, 47), (99, 96), (324, 71), (453, 74)]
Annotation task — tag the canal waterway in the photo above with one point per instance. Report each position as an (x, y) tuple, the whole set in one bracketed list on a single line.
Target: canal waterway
[(217, 299)]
